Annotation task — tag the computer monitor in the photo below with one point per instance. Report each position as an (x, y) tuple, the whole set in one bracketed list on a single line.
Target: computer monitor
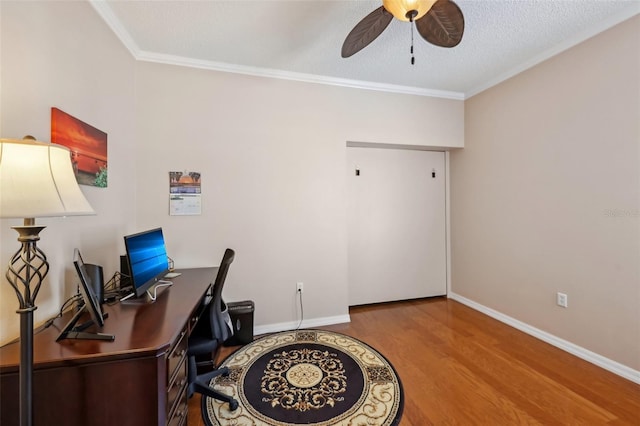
[(147, 259), (91, 303)]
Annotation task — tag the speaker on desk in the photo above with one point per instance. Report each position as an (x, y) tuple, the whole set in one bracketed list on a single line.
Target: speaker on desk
[(96, 277), (125, 280)]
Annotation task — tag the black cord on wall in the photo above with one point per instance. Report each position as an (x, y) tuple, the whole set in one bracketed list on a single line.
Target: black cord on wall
[(301, 309)]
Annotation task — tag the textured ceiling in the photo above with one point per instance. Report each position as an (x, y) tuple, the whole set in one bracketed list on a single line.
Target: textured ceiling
[(302, 39)]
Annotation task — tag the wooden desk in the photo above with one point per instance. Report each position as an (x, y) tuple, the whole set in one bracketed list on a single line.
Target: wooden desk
[(138, 379)]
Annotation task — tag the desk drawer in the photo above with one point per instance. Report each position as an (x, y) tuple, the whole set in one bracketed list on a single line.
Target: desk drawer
[(177, 386), (177, 378), (176, 356), (179, 415)]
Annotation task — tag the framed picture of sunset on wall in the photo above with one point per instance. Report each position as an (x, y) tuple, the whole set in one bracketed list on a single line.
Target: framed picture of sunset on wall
[(87, 144)]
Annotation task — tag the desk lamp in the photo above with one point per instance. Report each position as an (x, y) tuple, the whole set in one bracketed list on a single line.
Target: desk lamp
[(36, 180)]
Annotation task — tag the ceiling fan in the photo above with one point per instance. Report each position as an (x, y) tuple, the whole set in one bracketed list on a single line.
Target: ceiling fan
[(439, 22)]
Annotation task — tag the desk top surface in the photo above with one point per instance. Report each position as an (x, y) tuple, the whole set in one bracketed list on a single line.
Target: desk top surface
[(139, 328)]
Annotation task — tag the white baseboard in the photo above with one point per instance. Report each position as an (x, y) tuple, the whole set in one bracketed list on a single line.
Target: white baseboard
[(310, 323), (592, 357)]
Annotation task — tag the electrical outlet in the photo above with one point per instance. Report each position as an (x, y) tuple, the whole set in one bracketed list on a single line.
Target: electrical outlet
[(299, 287), (562, 300)]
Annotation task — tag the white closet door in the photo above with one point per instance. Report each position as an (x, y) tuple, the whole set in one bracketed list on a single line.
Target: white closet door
[(396, 224)]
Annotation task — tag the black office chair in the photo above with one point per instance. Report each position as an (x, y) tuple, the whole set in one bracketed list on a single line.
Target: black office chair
[(209, 334)]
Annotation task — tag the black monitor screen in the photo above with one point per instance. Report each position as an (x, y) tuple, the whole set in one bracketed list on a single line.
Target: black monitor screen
[(86, 288), (147, 257), (90, 303)]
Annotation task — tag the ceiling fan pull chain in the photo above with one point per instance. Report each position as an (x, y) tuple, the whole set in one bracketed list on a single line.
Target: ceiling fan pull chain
[(411, 15), (413, 59)]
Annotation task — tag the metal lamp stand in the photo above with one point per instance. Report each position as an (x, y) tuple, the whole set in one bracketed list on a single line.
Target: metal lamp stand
[(27, 270)]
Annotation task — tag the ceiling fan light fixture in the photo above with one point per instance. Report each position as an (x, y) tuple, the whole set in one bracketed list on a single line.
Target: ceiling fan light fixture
[(442, 23), (405, 10)]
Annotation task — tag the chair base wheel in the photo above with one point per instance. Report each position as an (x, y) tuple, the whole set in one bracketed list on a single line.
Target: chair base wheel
[(233, 405)]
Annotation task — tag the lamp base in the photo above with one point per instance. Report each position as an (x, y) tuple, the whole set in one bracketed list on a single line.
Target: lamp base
[(27, 269)]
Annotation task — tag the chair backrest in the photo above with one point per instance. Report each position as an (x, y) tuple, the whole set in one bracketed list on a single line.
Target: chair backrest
[(220, 320)]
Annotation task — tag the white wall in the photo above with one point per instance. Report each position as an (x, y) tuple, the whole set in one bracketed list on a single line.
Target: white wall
[(545, 197), (272, 154), (61, 54)]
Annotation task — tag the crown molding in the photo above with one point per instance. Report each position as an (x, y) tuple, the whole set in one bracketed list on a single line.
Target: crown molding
[(293, 76)]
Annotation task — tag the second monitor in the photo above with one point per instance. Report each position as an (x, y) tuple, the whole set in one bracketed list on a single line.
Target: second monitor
[(90, 302), (147, 259)]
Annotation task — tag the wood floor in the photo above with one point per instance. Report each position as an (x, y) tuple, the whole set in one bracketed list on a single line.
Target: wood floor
[(460, 367)]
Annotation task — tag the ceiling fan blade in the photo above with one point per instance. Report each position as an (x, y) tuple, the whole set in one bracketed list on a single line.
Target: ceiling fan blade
[(443, 25), (366, 31)]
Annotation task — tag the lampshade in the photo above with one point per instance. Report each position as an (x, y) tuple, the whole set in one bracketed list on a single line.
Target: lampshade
[(399, 8), (37, 180)]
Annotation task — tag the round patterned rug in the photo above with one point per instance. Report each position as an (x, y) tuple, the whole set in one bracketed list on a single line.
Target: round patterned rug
[(309, 377)]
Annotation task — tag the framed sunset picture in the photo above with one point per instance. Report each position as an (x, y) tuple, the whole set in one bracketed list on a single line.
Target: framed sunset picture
[(87, 144)]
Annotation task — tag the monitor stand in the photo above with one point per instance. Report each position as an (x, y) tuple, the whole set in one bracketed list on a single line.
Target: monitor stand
[(152, 293), (73, 331)]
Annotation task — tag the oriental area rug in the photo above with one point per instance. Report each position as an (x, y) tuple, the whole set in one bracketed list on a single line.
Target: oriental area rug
[(307, 377)]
